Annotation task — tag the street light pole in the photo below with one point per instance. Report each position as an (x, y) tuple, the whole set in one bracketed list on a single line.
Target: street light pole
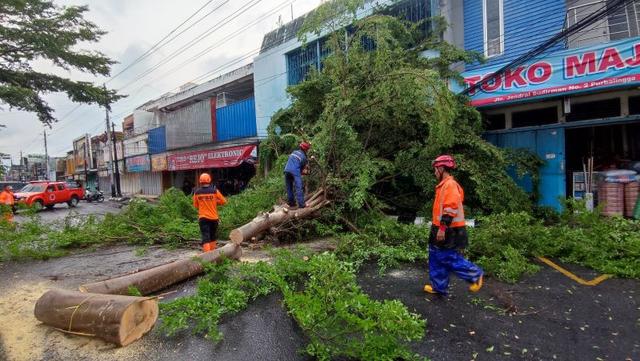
[(115, 153)]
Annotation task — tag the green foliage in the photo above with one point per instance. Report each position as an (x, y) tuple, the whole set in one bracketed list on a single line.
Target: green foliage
[(387, 242), (378, 118), (35, 30), (134, 291), (503, 242), (320, 292), (172, 222), (342, 321), (261, 195)]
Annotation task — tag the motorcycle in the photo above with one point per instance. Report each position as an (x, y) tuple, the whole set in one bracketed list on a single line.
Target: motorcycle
[(95, 196)]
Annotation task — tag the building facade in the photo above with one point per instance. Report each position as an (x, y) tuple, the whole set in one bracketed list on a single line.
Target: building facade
[(578, 98)]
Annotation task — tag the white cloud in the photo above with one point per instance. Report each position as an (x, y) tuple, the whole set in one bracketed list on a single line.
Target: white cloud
[(133, 27)]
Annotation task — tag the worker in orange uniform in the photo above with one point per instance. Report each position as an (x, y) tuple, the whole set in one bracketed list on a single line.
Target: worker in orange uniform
[(448, 233), (206, 200), (7, 201)]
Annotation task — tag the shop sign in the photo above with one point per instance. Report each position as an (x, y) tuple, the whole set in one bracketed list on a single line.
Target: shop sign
[(609, 65), (140, 163), (216, 158), (158, 162)]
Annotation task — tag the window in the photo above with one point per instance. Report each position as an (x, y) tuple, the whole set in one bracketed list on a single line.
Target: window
[(494, 121), (60, 187), (535, 117), (594, 110), (50, 189), (493, 27)]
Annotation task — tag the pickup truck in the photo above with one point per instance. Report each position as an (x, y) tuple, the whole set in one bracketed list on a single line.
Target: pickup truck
[(41, 194)]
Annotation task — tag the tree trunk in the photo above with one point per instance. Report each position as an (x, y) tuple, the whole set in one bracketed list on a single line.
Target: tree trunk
[(160, 277), (117, 319), (277, 216)]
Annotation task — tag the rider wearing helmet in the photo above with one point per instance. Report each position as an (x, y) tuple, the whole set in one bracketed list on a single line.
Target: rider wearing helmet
[(206, 199), (293, 171), (448, 233)]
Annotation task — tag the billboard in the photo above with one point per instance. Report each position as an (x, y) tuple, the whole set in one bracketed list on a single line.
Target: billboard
[(603, 66), (215, 158)]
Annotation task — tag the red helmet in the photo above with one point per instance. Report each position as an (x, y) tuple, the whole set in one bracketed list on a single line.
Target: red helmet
[(445, 160), (205, 178), (305, 146)]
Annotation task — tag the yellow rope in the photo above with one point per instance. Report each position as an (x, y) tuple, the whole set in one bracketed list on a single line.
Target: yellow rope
[(76, 309), (593, 282)]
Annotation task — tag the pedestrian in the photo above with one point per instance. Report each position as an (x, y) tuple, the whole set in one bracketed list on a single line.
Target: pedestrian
[(206, 199), (7, 202), (293, 171), (448, 235), (187, 187)]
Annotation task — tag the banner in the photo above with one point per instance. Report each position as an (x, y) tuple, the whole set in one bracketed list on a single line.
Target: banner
[(139, 163), (216, 158), (609, 65), (158, 162)]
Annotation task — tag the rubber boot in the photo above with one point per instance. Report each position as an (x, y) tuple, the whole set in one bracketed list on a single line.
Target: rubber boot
[(429, 289), (213, 245), (206, 247), (477, 285)]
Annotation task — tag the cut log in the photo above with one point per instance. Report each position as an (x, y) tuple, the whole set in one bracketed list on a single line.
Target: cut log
[(278, 216), (160, 277), (116, 319)]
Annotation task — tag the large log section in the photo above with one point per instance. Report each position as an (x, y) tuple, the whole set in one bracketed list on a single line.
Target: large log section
[(157, 278), (117, 319), (278, 216)]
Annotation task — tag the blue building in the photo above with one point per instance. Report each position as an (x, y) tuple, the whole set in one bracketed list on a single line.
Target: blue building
[(577, 99), (284, 61)]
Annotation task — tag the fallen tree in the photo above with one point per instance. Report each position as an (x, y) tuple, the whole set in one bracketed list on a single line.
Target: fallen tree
[(113, 318), (163, 276), (278, 216)]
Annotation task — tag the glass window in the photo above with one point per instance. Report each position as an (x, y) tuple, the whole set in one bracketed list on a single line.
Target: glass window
[(60, 187), (598, 109), (50, 188), (534, 117), (493, 27)]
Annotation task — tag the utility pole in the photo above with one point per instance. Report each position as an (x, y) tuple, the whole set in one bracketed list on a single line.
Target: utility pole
[(86, 173), (115, 153), (109, 140), (46, 156)]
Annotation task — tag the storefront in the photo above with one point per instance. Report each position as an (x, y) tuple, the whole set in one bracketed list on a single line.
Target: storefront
[(567, 108), (231, 167), (139, 179)]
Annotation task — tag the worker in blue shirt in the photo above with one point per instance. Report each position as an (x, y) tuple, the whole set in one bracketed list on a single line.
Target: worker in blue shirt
[(293, 171)]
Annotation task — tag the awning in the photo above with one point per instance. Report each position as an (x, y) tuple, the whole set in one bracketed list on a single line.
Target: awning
[(216, 158)]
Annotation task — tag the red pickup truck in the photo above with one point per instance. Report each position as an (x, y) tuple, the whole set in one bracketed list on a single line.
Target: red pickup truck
[(47, 194)]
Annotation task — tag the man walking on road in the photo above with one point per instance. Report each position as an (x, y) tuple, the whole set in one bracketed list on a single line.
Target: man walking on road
[(293, 172), (206, 200), (7, 202), (448, 233)]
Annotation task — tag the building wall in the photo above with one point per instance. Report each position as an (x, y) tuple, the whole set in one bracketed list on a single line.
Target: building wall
[(270, 75), (188, 126), (136, 145), (237, 120), (527, 24)]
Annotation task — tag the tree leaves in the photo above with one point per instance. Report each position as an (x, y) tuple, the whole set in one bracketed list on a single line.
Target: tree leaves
[(33, 30)]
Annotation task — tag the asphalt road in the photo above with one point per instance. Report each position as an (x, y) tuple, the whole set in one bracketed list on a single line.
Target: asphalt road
[(545, 316), (61, 211)]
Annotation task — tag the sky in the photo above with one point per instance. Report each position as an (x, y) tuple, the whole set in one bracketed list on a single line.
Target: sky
[(133, 27)]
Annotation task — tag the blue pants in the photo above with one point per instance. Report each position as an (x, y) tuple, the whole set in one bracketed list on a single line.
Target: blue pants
[(292, 180), (444, 261)]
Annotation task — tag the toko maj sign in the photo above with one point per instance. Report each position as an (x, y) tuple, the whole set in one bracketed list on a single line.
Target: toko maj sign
[(614, 64)]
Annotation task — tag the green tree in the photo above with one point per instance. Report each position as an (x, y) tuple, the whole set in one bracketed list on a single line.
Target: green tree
[(380, 111), (35, 30)]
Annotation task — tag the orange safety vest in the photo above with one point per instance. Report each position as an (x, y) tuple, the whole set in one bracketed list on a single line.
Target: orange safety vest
[(449, 197), (6, 198), (206, 200)]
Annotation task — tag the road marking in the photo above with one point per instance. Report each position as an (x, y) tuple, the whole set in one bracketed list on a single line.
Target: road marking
[(593, 282)]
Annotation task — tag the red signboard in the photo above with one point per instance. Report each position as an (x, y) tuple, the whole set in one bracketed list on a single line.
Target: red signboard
[(216, 158)]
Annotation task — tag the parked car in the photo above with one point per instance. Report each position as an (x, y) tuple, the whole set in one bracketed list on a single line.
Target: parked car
[(47, 194)]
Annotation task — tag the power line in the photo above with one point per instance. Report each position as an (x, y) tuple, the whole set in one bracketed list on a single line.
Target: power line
[(157, 45), (196, 40)]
